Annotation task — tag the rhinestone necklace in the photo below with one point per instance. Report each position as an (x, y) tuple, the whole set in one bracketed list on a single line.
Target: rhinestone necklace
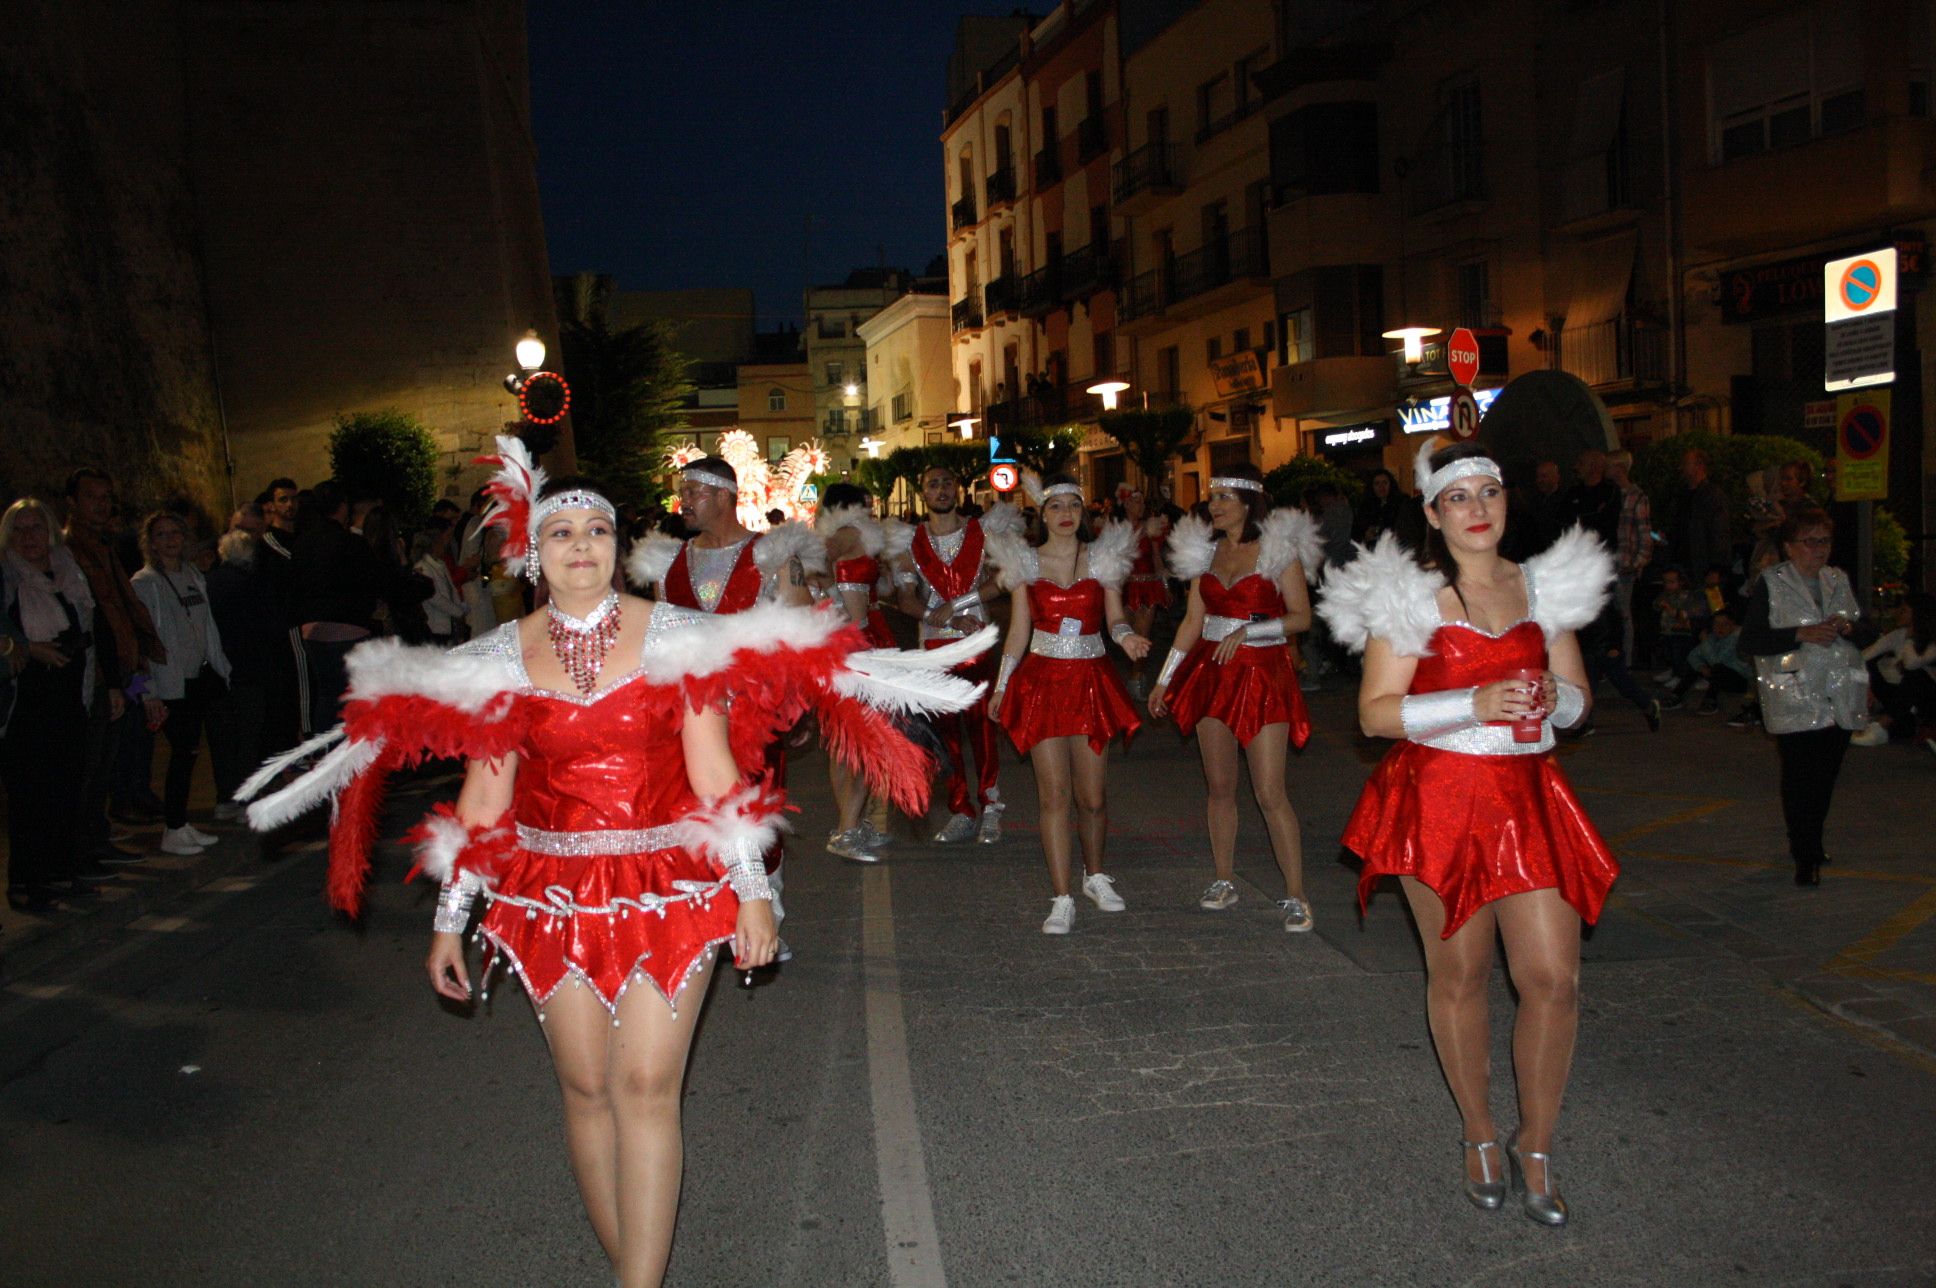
[(581, 645)]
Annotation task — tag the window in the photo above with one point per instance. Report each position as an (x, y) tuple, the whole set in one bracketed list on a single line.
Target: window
[(1103, 353), (777, 448), (1099, 226), (1240, 339), (1169, 371), (1216, 106), (1297, 337), (1213, 348), (1325, 149), (836, 421), (836, 373), (1783, 83), (1249, 98), (1475, 293), (1463, 141), (1270, 337), (776, 400), (903, 406)]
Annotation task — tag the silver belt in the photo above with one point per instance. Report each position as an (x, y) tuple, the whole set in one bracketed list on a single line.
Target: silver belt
[(1217, 629), (1055, 644), (580, 844)]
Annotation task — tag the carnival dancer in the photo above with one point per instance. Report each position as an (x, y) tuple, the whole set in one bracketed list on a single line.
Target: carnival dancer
[(857, 543), (1228, 677), (948, 590), (1472, 662), (1058, 695), (1148, 589), (612, 819)]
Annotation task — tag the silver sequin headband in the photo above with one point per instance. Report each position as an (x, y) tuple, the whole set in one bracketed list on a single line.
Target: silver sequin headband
[(1447, 475), (699, 474), (1239, 485), (1062, 489)]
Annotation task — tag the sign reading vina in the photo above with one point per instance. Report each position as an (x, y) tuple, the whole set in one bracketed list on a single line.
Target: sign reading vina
[(1462, 356)]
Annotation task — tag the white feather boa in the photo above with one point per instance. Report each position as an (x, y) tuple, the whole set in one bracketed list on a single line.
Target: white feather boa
[(872, 537), (1014, 560), (1382, 592), (897, 538), (1567, 583), (1192, 548), (773, 548), (651, 558), (745, 821), (1002, 518), (1112, 554), (1287, 535)]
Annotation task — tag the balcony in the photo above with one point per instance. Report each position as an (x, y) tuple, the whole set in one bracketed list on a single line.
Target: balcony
[(1041, 292), (1618, 354), (1334, 387), (964, 213), (1048, 166), (1143, 178), (1205, 280), (1329, 231), (1092, 139), (1087, 270), (1002, 295), (967, 314), (1001, 186)]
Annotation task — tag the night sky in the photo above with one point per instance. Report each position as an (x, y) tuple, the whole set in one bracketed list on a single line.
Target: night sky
[(684, 143)]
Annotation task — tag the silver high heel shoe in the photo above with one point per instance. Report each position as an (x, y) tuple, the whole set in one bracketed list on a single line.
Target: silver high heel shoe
[(1489, 1193), (1547, 1208)]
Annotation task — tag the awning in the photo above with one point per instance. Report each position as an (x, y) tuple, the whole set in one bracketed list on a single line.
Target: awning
[(1597, 277)]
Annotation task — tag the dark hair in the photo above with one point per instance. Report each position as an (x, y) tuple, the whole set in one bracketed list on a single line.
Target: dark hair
[(81, 475), (445, 506), (1083, 534), (280, 483), (324, 500), (843, 494), (949, 470), (1257, 505), (715, 465), (1804, 520), (1437, 554)]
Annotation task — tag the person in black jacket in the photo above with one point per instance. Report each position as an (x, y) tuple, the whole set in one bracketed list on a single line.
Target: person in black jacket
[(242, 595), (335, 584)]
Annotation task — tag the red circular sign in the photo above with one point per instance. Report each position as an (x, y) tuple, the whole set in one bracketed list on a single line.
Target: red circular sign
[(1462, 356), (1863, 432), (544, 398), (1861, 285), (1004, 478)]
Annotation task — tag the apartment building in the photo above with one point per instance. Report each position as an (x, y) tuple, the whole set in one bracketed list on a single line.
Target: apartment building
[(908, 381), (837, 355)]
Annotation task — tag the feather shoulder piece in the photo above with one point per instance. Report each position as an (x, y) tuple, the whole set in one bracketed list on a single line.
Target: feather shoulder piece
[(1567, 583), (1015, 561), (1286, 535), (1112, 554), (651, 559), (872, 538), (1002, 518), (1383, 592), (1191, 548), (897, 539), (795, 540)]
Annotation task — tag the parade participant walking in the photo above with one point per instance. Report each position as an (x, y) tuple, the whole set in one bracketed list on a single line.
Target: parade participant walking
[(1471, 661), (1148, 589), (948, 591), (857, 542), (611, 818), (1228, 677), (1058, 695)]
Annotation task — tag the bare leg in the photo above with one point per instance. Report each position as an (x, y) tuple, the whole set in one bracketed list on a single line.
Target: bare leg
[(579, 1029), (1053, 793), (649, 1049), (1092, 807), (850, 794), (1140, 621), (1457, 973), (1542, 936), (1268, 752), (1218, 746)]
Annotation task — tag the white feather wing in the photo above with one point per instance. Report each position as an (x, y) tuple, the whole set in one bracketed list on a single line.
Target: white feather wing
[(1191, 548), (1112, 554), (1383, 592), (1566, 584), (1287, 535)]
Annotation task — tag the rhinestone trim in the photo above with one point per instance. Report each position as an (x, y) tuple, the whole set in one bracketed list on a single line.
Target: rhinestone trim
[(586, 844), (1491, 740), (1218, 629), (1051, 644)]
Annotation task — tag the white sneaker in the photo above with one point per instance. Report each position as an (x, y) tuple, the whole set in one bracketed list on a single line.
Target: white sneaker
[(991, 823), (1869, 735), (1218, 895), (176, 840), (960, 828), (198, 836), (1062, 916), (1297, 915), (1101, 889)]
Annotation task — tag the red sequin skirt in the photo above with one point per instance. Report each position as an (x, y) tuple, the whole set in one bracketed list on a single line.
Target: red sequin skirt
[(603, 918), (1257, 687), (1146, 592), (876, 630), (1060, 697), (1478, 828)]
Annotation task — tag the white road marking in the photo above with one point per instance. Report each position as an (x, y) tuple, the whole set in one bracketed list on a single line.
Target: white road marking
[(166, 925), (907, 1205), (230, 885)]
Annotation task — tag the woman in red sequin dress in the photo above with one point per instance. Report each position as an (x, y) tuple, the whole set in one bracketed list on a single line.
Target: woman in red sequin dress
[(1148, 589), (1059, 695), (1229, 678), (1471, 661)]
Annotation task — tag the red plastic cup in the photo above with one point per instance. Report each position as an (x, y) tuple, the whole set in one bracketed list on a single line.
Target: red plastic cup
[(1528, 730)]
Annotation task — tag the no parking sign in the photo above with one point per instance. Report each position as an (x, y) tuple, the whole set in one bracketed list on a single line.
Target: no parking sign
[(1862, 446)]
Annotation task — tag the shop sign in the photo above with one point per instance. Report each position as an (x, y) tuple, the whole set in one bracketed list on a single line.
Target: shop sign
[(1345, 438), (1240, 373), (1766, 290), (1435, 415)]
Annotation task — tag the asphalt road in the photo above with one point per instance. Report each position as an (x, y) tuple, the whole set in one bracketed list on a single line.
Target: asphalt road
[(240, 1090)]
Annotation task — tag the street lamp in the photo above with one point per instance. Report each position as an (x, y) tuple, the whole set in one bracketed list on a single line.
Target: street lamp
[(1108, 390), (851, 389), (531, 352), (1414, 341), (872, 446), (966, 424)]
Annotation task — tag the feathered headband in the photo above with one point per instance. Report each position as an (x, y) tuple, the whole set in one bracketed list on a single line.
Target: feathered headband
[(1036, 493), (1431, 482), (516, 509)]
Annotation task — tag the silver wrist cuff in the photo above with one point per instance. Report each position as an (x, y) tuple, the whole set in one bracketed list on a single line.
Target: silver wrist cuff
[(1570, 705), (454, 902), (1430, 715), (905, 578), (1121, 631), (968, 603), (746, 872), (1270, 631), (1009, 663), (1170, 663)]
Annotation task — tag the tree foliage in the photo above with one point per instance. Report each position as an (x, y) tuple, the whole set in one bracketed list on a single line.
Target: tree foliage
[(1045, 449), (388, 454), (1150, 438), (628, 392), (1292, 481), (1731, 459)]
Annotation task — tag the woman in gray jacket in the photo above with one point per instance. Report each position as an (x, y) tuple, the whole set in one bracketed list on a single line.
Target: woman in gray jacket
[(194, 675)]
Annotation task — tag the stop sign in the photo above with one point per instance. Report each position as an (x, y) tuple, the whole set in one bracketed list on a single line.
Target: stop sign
[(1462, 356)]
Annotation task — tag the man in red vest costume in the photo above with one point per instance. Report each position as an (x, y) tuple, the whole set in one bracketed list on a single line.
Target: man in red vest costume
[(948, 591)]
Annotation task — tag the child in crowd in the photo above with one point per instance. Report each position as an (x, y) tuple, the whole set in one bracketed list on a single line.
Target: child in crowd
[(1684, 613), (1716, 664)]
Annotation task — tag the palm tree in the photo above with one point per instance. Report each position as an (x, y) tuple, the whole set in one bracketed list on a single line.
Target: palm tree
[(628, 396), (1150, 438)]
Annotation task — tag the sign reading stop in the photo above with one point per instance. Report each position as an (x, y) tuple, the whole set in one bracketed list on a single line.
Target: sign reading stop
[(1462, 356)]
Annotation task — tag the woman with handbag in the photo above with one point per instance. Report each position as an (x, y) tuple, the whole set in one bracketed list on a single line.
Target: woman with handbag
[(1802, 629), (195, 674)]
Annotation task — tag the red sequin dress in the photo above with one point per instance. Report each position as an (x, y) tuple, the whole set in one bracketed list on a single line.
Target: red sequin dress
[(1495, 819), (1146, 588), (1065, 685), (863, 574), (1257, 687)]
